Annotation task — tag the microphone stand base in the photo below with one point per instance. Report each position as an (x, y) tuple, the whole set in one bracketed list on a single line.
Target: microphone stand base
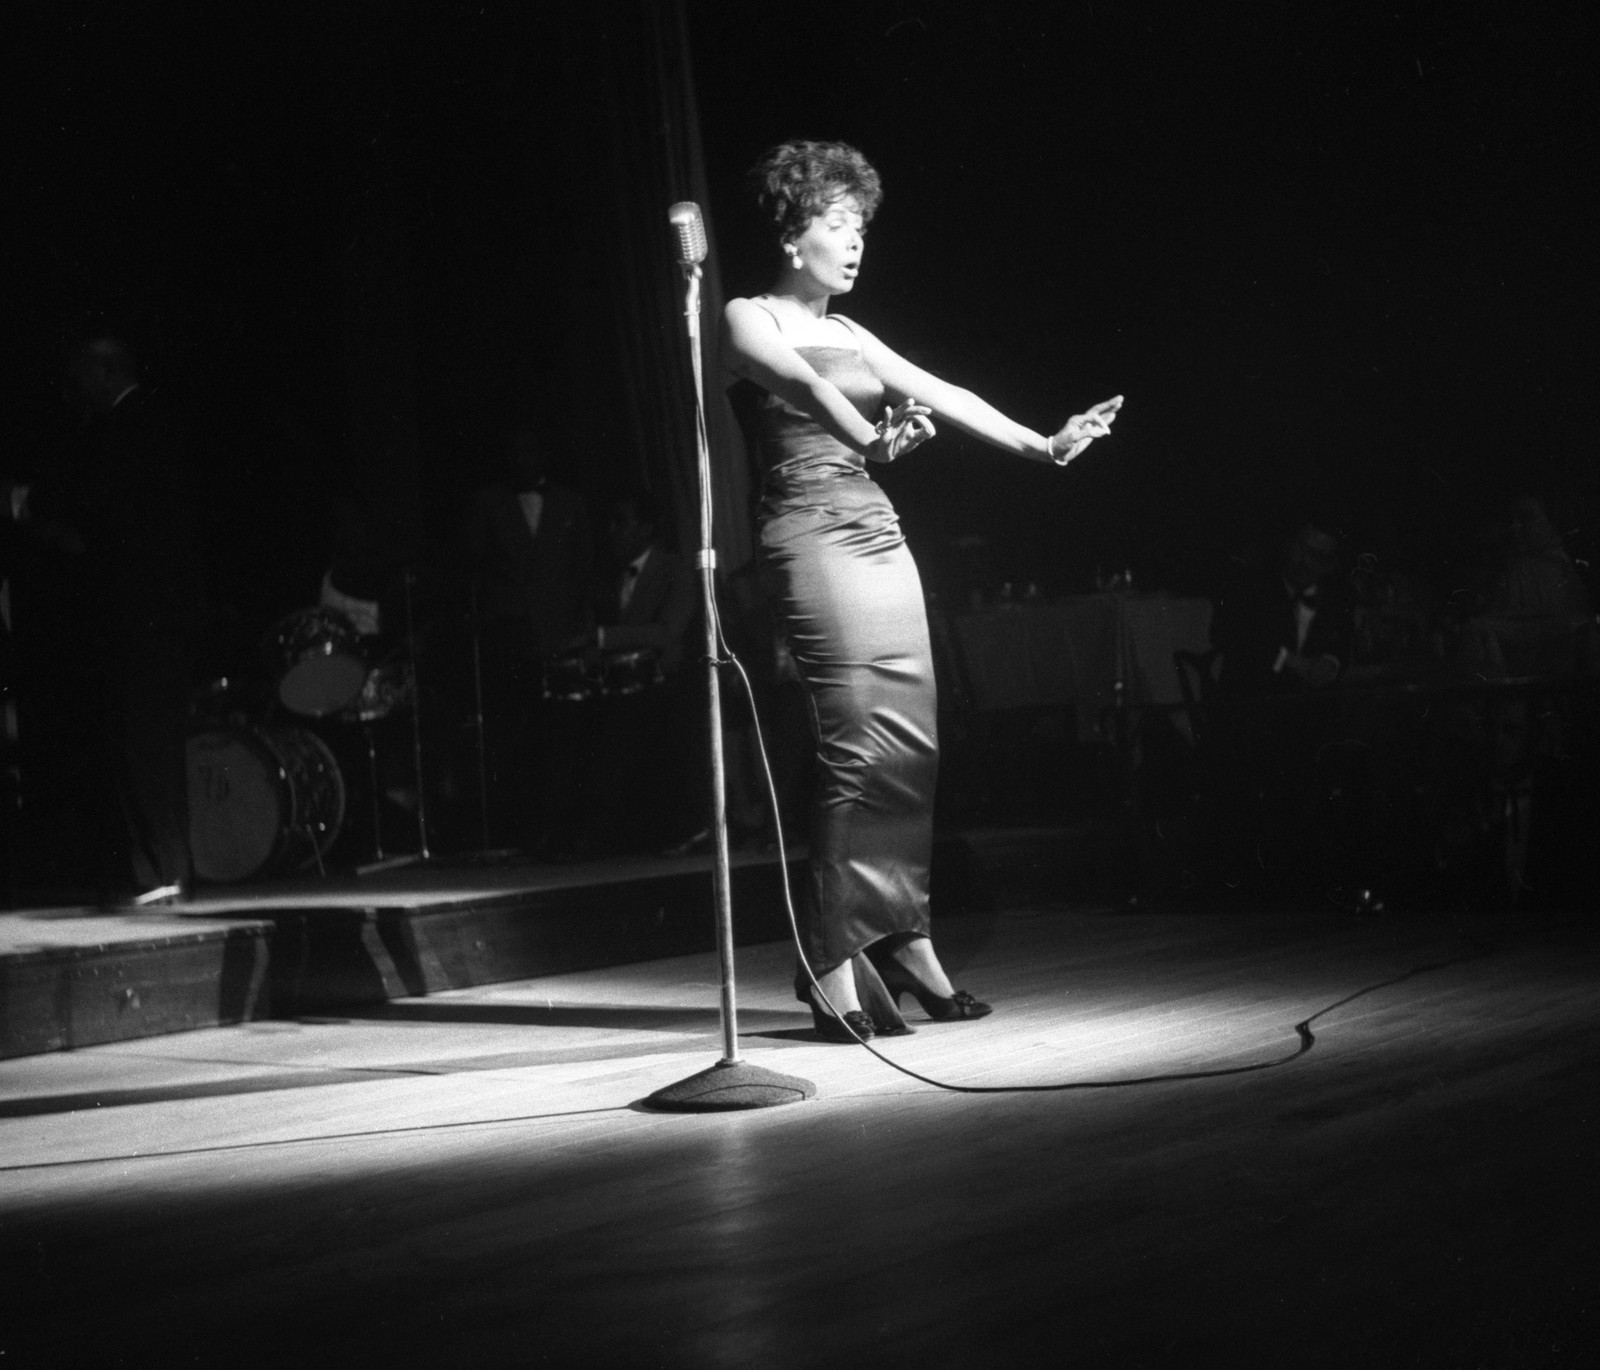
[(730, 1085)]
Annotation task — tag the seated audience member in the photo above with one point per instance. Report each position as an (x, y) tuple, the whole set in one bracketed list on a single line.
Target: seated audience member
[(1287, 626), (646, 600), (1283, 632)]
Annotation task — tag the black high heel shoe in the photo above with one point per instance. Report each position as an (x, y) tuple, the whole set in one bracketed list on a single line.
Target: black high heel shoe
[(878, 1016), (832, 1029), (898, 980), (829, 1028)]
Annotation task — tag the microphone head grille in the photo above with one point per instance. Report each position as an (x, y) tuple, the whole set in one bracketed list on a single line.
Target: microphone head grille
[(691, 229)]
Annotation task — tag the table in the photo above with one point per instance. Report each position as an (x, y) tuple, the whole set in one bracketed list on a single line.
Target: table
[(1090, 652)]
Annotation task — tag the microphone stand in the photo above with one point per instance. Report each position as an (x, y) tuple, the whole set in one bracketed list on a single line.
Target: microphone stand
[(732, 1083), (423, 854), (477, 715)]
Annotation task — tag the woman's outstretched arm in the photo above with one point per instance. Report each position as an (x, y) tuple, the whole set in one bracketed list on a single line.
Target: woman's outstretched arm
[(975, 415)]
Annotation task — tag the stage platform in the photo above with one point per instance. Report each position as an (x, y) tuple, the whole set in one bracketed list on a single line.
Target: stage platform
[(73, 977), (1212, 1138)]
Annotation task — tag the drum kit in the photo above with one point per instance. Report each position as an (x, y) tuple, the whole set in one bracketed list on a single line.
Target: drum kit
[(267, 796)]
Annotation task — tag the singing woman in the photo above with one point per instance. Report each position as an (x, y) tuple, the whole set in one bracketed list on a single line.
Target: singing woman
[(820, 397)]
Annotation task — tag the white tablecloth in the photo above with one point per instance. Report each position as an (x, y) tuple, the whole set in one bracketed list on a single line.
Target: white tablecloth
[(1087, 652)]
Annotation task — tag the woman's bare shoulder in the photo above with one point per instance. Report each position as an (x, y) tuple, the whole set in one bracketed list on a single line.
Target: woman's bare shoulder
[(746, 307)]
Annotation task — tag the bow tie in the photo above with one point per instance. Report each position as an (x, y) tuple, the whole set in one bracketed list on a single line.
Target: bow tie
[(1308, 598)]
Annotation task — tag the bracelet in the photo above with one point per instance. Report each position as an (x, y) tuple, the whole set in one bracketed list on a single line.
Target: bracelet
[(1050, 448)]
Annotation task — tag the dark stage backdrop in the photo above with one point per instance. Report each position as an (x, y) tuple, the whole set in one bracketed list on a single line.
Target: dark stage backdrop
[(1337, 255)]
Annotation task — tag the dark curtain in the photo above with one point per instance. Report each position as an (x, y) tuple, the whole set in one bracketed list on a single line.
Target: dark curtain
[(656, 159)]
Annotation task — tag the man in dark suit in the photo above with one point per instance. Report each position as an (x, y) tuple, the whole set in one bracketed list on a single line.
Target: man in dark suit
[(528, 541), (109, 617), (1283, 632), (1286, 627), (647, 600)]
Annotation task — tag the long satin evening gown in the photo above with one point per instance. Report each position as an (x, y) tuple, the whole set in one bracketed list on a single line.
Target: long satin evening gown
[(850, 602)]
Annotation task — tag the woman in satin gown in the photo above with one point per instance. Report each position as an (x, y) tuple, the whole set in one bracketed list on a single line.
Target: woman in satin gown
[(820, 397)]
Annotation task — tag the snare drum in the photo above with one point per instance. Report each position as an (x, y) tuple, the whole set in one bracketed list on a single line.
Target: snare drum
[(316, 659), (261, 801)]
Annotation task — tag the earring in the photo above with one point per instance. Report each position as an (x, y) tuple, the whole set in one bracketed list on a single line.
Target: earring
[(795, 261)]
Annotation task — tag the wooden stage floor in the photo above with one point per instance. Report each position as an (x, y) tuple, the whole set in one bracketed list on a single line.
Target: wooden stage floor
[(468, 1178)]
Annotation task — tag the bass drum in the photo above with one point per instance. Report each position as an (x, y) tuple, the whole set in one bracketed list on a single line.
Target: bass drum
[(262, 801)]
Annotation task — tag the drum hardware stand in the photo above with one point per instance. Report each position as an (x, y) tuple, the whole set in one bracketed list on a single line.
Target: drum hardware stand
[(477, 716), (480, 730), (378, 861), (731, 1083), (315, 838), (422, 855)]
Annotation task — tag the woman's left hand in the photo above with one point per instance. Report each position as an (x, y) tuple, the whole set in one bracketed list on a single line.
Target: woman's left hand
[(1082, 429), (903, 428)]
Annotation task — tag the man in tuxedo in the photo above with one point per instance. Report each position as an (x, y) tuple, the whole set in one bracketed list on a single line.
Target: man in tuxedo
[(528, 543), (1286, 628), (646, 601), (1283, 632)]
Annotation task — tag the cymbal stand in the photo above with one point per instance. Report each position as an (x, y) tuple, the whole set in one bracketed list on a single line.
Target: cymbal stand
[(477, 717), (416, 723), (372, 784), (422, 854)]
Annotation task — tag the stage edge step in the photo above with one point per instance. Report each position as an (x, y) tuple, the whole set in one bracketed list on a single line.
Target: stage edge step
[(132, 981)]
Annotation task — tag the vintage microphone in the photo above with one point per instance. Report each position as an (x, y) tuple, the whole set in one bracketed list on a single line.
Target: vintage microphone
[(732, 1083)]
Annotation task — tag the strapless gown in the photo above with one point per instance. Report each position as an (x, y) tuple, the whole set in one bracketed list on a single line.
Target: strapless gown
[(850, 603)]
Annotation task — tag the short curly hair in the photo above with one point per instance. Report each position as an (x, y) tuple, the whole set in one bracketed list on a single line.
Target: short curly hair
[(796, 181)]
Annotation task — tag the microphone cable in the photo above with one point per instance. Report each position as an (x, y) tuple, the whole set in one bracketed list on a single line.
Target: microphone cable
[(1303, 1029)]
